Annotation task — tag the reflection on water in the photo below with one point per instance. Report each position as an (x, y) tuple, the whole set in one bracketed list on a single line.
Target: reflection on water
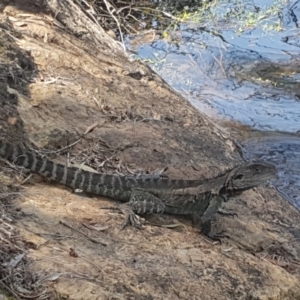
[(233, 83), (259, 112)]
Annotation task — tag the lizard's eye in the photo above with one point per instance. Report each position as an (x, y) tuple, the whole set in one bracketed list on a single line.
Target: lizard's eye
[(257, 169), (240, 176)]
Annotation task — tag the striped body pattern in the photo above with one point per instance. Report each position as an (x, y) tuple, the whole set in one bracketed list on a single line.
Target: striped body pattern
[(147, 195), (113, 186)]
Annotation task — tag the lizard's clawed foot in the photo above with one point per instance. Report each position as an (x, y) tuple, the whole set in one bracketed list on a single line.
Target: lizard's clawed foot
[(131, 217), (206, 230), (225, 212), (218, 236)]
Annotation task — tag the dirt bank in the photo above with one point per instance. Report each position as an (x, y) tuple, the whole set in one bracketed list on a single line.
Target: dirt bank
[(58, 80)]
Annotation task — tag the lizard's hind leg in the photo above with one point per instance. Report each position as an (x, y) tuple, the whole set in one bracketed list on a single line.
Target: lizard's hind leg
[(140, 202)]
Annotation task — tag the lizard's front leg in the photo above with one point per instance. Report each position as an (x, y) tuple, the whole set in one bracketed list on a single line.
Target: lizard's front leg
[(213, 208), (140, 202)]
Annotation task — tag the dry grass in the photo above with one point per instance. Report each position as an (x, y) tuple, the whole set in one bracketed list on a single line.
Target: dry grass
[(16, 278)]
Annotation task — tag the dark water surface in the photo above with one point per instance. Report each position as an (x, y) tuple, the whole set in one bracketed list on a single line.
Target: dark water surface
[(283, 150), (233, 70)]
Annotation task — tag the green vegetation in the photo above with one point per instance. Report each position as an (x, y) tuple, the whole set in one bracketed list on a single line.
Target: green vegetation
[(226, 13), (165, 17)]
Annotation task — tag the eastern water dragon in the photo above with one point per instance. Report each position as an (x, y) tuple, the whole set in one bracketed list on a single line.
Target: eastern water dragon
[(146, 195)]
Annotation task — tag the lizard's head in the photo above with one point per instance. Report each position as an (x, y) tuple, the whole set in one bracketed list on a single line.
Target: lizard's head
[(249, 175)]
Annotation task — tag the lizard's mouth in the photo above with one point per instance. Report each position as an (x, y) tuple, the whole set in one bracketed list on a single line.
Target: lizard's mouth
[(235, 191)]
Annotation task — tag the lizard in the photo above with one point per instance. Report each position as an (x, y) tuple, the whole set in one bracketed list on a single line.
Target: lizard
[(201, 199)]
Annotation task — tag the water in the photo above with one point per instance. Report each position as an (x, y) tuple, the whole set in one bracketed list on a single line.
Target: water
[(283, 151)]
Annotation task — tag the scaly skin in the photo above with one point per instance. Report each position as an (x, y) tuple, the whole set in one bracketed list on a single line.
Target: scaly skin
[(147, 195)]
